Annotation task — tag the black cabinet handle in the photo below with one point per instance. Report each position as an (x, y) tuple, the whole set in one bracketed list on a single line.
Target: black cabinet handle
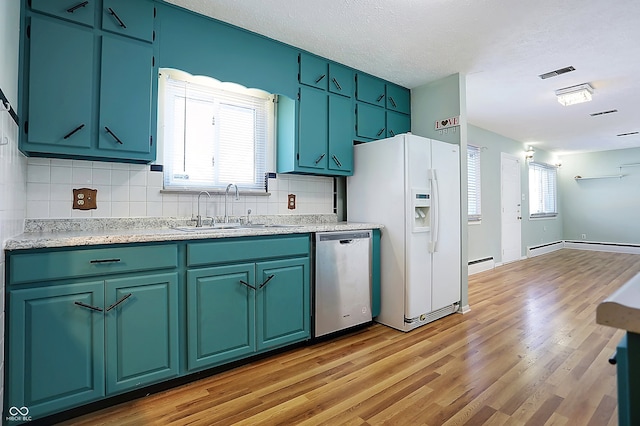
[(320, 158), (380, 132), (113, 134), (336, 83), (392, 133), (84, 305), (68, 135), (247, 284), (266, 281), (613, 359), (104, 261), (335, 159), (77, 6), (393, 103), (320, 78), (380, 98), (117, 18), (118, 302)]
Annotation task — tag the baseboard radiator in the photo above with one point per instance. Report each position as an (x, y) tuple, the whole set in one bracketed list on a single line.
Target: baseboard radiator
[(544, 248), (481, 265), (596, 246)]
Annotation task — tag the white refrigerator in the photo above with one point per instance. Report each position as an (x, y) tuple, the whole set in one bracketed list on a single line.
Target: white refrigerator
[(411, 185)]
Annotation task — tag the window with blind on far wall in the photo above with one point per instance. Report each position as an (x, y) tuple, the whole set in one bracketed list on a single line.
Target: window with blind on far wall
[(474, 212), (214, 133), (542, 190)]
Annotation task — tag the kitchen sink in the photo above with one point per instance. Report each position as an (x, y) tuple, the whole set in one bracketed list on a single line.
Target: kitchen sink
[(220, 227), (263, 225)]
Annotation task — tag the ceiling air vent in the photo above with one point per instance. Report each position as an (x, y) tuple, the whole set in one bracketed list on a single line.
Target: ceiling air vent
[(556, 72), (628, 134), (611, 111)]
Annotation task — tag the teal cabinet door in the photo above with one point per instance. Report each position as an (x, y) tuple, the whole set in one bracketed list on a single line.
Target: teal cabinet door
[(314, 71), (129, 18), (56, 347), (220, 314), (398, 99), (60, 86), (340, 80), (313, 131), (341, 133), (370, 121), (283, 302), (125, 98), (82, 12), (141, 330), (397, 123), (370, 90)]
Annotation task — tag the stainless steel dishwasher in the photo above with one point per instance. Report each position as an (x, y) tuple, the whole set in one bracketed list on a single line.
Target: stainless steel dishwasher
[(342, 280)]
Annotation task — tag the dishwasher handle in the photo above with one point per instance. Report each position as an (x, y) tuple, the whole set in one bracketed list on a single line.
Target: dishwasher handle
[(346, 241)]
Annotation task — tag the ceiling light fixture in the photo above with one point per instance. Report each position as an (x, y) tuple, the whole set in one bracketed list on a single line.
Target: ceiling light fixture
[(575, 94), (528, 154)]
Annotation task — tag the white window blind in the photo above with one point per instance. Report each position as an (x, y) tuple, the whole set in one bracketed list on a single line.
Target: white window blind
[(542, 190), (474, 211), (213, 137)]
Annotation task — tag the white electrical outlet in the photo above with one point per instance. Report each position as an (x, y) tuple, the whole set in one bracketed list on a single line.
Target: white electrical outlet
[(584, 236)]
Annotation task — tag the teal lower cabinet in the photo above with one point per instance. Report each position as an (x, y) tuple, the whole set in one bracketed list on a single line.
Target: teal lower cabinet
[(71, 344), (240, 308), (628, 375)]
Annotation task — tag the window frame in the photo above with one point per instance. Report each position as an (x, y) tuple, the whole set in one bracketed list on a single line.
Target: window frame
[(547, 204), (476, 185), (216, 95)]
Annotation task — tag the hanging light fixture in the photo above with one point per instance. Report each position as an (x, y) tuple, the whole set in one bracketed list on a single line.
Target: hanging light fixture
[(575, 94)]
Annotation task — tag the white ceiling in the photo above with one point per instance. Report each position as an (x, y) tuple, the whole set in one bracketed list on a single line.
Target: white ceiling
[(501, 46)]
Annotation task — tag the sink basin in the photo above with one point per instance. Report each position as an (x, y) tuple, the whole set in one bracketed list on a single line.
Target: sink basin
[(273, 225), (192, 228)]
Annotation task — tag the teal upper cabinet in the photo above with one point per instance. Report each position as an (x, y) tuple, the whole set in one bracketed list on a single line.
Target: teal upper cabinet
[(314, 71), (340, 79), (370, 122), (398, 99), (82, 12), (60, 116), (129, 18), (312, 137), (397, 123), (89, 92), (341, 119), (125, 98), (370, 89)]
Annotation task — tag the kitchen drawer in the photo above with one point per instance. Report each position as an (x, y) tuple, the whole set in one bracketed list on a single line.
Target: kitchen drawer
[(53, 265), (230, 250)]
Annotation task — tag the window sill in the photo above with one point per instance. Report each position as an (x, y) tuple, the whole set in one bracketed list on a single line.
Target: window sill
[(246, 192), (551, 216)]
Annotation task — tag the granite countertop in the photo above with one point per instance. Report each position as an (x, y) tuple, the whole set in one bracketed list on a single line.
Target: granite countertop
[(622, 308), (52, 233)]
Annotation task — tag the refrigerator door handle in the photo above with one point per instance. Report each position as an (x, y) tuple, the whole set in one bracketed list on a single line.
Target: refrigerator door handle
[(435, 214)]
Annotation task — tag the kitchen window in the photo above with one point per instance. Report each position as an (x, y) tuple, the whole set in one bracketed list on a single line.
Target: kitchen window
[(542, 190), (213, 133), (474, 206)]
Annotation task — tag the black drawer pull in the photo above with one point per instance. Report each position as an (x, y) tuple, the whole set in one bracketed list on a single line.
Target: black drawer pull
[(84, 305), (320, 78), (247, 284), (117, 18), (77, 6), (337, 84), (393, 103), (118, 302), (335, 159), (113, 134), (266, 281), (380, 132), (380, 98), (613, 360), (320, 158), (68, 135), (104, 261)]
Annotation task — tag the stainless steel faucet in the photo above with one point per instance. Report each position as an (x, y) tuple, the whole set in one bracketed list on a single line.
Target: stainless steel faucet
[(226, 193), (199, 218)]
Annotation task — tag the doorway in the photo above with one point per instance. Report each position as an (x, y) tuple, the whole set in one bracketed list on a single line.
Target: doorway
[(511, 207)]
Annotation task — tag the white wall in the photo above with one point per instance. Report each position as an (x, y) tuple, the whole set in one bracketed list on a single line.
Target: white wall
[(12, 163), (604, 210)]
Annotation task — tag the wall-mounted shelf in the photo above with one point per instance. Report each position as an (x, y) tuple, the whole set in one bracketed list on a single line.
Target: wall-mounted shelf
[(628, 165), (599, 177)]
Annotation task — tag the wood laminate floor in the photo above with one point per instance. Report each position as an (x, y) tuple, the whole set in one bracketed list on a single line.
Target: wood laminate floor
[(528, 353)]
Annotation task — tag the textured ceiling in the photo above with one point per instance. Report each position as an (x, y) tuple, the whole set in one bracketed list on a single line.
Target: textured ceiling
[(501, 46)]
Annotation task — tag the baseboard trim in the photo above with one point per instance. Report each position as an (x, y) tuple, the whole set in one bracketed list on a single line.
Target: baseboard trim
[(533, 251), (464, 309), (481, 265), (602, 246)]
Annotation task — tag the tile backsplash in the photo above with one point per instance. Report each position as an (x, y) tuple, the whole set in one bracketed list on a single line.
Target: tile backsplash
[(131, 190)]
